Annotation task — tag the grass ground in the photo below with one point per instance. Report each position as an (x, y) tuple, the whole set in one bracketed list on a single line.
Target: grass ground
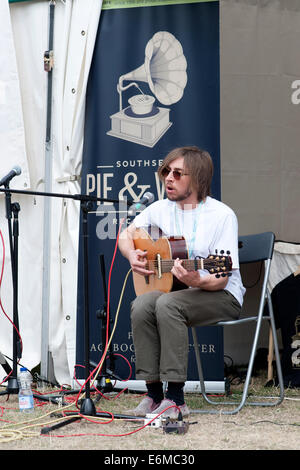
[(253, 428)]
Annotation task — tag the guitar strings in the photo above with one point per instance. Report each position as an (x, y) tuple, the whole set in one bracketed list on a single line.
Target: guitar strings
[(167, 264), (185, 262)]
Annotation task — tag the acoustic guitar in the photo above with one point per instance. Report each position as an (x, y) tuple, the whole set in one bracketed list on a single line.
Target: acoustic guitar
[(161, 254)]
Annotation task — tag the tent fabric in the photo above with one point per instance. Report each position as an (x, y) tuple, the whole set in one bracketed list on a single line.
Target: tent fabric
[(286, 260), (260, 139), (75, 28), (12, 138)]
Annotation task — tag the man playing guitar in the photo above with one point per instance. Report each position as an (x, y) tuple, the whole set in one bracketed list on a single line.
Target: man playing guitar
[(160, 317)]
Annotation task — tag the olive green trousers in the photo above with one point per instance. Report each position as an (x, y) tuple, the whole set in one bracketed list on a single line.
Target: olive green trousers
[(160, 328)]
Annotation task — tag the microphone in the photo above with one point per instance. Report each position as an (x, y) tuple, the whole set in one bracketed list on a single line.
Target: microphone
[(146, 199), (14, 172)]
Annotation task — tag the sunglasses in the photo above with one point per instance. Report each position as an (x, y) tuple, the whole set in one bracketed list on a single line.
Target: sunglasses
[(177, 174)]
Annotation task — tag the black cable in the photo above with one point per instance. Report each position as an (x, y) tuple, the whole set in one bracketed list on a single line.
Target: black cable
[(261, 422)]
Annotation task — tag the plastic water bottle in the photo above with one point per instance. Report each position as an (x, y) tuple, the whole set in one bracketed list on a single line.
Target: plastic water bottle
[(26, 402)]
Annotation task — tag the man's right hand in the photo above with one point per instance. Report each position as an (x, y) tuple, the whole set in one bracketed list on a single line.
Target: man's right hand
[(138, 262)]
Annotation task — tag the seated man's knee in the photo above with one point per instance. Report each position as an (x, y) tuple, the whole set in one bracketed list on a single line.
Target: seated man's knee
[(166, 306), (143, 307)]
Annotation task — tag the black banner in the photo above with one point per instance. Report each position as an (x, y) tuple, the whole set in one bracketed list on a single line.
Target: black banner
[(153, 86)]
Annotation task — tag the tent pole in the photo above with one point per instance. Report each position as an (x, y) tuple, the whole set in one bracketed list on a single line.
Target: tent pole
[(48, 66)]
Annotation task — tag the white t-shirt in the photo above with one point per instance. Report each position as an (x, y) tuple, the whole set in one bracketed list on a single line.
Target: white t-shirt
[(211, 226)]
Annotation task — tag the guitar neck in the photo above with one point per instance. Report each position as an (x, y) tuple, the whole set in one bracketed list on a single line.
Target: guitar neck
[(166, 265), (188, 264)]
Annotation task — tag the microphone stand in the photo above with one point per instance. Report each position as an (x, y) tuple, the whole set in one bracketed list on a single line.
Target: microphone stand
[(104, 383), (87, 405), (86, 204), (13, 232)]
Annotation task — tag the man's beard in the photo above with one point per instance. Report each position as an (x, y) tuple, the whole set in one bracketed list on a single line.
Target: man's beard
[(180, 197)]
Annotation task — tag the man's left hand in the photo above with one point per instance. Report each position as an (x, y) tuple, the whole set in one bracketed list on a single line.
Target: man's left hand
[(190, 278)]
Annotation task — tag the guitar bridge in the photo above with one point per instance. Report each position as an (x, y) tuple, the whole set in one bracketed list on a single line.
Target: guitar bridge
[(158, 259)]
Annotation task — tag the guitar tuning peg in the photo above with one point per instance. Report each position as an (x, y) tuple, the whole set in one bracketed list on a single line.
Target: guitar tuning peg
[(216, 251), (229, 274), (222, 252), (218, 275), (228, 252), (223, 274)]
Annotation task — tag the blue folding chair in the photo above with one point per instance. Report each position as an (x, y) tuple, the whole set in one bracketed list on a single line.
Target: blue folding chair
[(252, 249)]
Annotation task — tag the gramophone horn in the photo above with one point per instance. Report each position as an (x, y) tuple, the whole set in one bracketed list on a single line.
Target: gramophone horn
[(164, 68)]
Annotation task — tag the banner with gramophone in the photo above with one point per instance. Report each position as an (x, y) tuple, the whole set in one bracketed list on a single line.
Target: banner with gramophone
[(153, 86)]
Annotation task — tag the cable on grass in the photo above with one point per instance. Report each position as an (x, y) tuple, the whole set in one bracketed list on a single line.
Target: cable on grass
[(263, 421), (13, 431)]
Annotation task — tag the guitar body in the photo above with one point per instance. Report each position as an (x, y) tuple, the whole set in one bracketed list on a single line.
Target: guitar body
[(161, 254), (167, 249)]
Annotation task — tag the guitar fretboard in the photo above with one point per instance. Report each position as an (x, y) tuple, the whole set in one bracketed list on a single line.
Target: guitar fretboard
[(213, 263)]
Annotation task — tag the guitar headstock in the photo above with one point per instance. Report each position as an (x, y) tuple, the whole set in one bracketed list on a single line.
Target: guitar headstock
[(220, 264)]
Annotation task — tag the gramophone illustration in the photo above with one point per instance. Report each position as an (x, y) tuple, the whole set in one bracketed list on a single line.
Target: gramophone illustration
[(164, 69)]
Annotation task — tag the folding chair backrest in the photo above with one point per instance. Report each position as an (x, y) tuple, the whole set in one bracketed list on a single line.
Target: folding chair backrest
[(258, 247)]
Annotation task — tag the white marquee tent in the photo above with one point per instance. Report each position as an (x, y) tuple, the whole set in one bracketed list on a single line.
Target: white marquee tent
[(47, 261)]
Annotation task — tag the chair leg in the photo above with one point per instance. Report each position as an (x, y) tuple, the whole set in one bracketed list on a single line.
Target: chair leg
[(270, 355), (277, 359), (201, 379), (202, 384), (243, 401), (199, 367)]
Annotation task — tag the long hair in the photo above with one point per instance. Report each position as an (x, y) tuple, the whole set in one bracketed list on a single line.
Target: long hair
[(197, 163)]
